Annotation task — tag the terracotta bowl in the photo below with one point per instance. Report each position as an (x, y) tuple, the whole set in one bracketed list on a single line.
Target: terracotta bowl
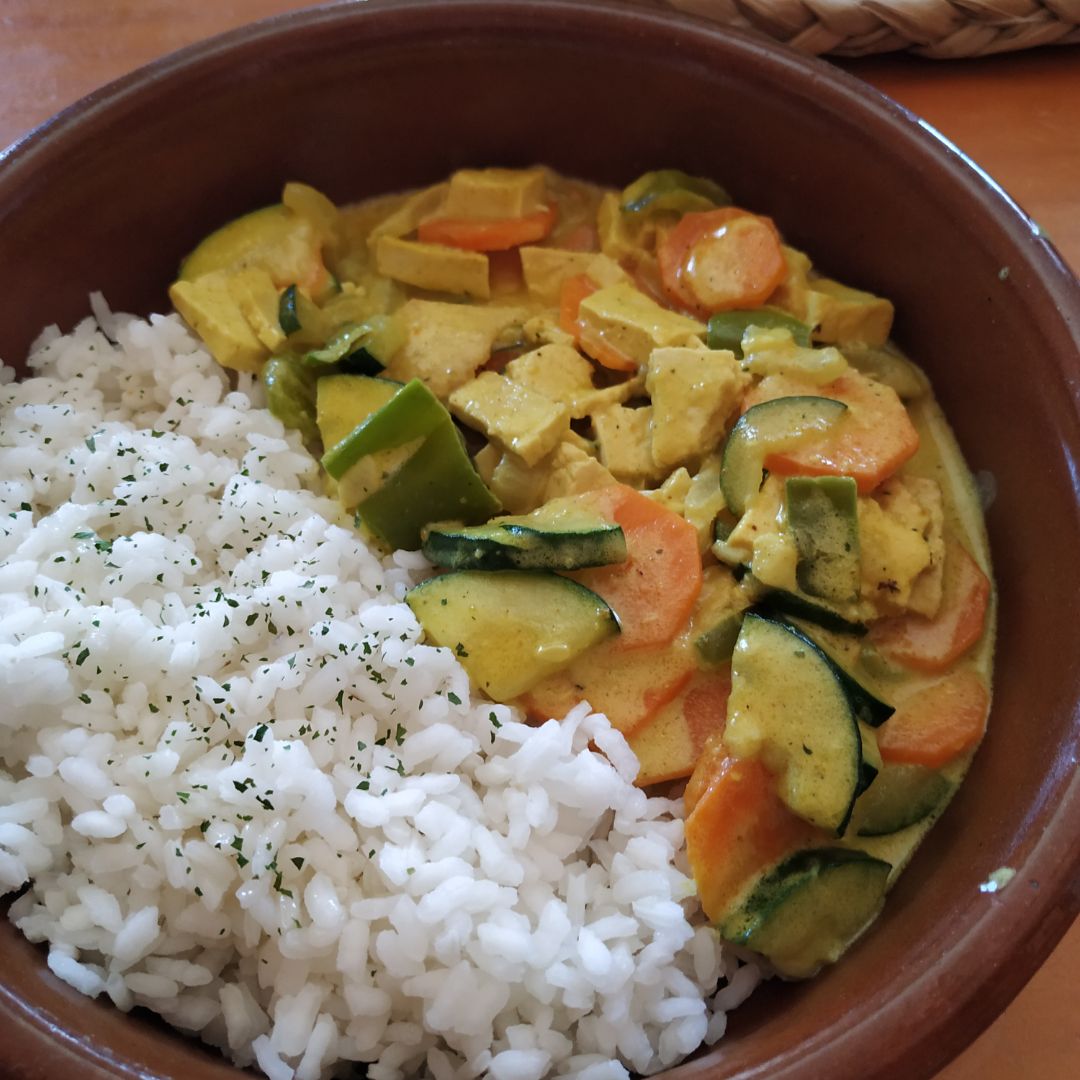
[(359, 99)]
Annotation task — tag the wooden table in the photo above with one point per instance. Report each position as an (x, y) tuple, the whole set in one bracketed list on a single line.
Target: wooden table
[(1017, 116)]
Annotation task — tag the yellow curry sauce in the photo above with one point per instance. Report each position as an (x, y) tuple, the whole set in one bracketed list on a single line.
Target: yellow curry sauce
[(698, 487)]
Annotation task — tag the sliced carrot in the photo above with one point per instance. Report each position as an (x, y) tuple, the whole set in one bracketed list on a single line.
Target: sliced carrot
[(938, 724), (653, 592), (718, 260), (712, 763), (869, 443), (933, 644), (738, 828), (592, 342), (670, 744), (706, 706), (488, 234), (629, 688), (572, 292)]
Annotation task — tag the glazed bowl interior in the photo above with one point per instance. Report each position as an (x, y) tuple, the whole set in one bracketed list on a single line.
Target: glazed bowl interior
[(362, 99)]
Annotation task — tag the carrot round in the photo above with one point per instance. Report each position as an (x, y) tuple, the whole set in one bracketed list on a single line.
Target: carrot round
[(488, 234), (932, 645), (737, 828), (573, 290), (938, 724), (670, 744), (653, 592), (629, 688), (718, 260), (872, 440)]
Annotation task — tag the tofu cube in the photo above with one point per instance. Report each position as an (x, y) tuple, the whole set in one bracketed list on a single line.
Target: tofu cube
[(257, 298), (693, 393), (521, 420), (210, 309), (545, 269), (494, 193), (433, 266), (842, 314), (574, 470), (446, 343), (623, 437), (557, 371), (634, 324)]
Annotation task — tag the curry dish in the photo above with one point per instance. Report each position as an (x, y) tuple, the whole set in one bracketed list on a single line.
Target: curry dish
[(664, 465)]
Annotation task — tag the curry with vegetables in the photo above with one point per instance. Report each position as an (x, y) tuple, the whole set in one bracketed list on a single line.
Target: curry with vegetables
[(664, 465)]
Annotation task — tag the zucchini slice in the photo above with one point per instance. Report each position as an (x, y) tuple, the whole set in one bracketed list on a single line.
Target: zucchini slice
[(511, 628), (789, 708), (869, 709), (274, 238), (902, 795), (871, 765), (779, 424), (808, 910), (345, 401), (560, 535), (793, 605), (288, 316), (822, 513)]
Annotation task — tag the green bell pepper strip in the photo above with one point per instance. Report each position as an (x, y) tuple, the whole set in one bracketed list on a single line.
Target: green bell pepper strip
[(346, 342), (822, 513), (672, 190), (726, 328), (412, 413), (437, 483)]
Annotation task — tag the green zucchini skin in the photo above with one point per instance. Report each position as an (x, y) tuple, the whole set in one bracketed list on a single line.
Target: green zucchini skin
[(805, 912), (288, 317), (715, 645), (511, 628), (779, 603), (789, 708), (513, 544), (902, 795), (867, 707), (768, 426), (347, 351)]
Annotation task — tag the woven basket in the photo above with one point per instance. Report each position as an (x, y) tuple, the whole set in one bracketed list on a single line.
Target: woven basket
[(944, 29)]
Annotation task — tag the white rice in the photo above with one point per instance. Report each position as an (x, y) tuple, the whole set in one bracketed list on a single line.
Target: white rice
[(240, 792)]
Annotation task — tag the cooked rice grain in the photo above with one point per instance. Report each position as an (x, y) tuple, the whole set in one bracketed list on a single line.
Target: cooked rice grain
[(246, 796)]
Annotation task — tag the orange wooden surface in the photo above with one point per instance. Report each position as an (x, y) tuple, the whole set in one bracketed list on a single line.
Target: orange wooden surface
[(1017, 116)]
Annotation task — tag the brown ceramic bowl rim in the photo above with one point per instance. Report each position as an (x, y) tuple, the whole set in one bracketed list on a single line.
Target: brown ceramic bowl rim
[(1010, 939)]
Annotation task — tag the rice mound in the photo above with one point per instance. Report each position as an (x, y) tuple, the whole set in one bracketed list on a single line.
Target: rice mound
[(239, 791)]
